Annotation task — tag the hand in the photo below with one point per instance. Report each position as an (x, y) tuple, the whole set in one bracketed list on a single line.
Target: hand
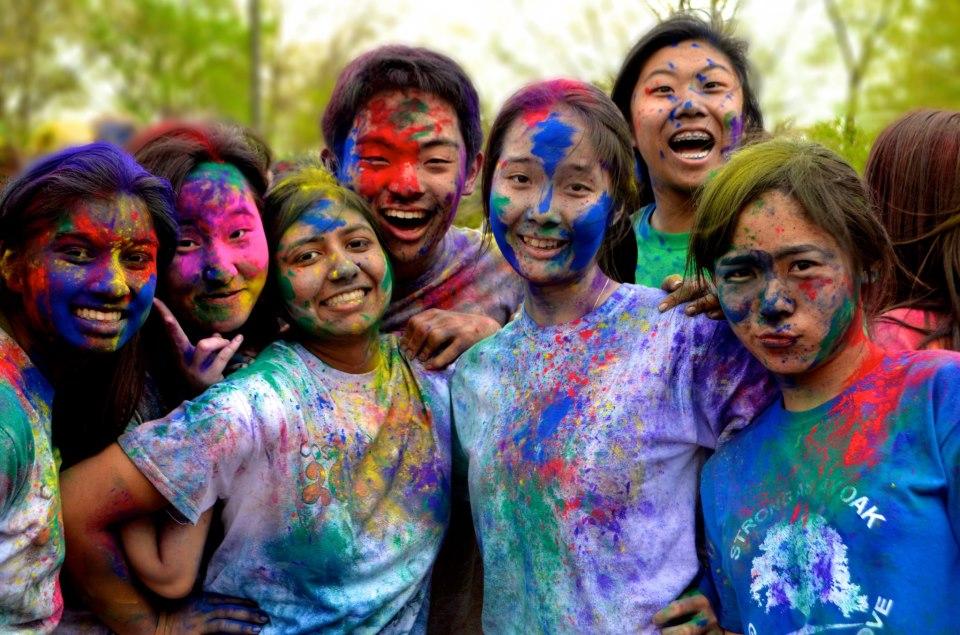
[(437, 337), (213, 613), (691, 615), (701, 299), (202, 365)]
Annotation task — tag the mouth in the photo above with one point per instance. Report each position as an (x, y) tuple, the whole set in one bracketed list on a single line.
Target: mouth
[(99, 322), (777, 341), (542, 247), (692, 145), (346, 300), (407, 224), (220, 297)]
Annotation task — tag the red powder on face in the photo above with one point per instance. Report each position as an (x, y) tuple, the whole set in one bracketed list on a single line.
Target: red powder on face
[(811, 288), (534, 117)]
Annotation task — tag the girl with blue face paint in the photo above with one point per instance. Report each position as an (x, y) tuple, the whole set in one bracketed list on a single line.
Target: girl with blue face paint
[(81, 233), (581, 425)]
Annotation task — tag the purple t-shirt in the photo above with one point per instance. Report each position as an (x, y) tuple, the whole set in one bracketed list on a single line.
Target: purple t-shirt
[(468, 277), (583, 443)]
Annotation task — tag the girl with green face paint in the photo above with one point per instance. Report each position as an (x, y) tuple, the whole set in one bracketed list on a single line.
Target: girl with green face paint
[(331, 450), (858, 456)]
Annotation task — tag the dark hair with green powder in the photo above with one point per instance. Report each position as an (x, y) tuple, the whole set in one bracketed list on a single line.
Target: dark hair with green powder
[(826, 187), (298, 189)]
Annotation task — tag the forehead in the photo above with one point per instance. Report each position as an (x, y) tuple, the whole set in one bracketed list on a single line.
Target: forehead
[(774, 220), (211, 188), (324, 217), (544, 133), (685, 55), (123, 217), (412, 110)]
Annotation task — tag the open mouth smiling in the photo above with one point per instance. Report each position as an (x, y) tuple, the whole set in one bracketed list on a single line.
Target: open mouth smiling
[(346, 299), (406, 218), (94, 315), (692, 145)]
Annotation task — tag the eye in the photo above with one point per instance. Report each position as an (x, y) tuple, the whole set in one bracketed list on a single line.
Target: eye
[(76, 253), (358, 244), (238, 234), (139, 258), (580, 189), (374, 160), (518, 179), (438, 161), (306, 257), (713, 85), (737, 274), (663, 89), (187, 244), (802, 265)]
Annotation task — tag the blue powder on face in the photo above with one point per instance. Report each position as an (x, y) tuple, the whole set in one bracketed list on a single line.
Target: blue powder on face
[(348, 159), (551, 142), (316, 218), (588, 231), (498, 227)]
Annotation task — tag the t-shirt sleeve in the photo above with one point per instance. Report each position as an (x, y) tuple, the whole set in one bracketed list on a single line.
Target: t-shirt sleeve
[(461, 399), (193, 454), (16, 448), (722, 596), (947, 407), (730, 386)]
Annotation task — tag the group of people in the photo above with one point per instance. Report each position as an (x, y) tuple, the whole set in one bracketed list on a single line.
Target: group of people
[(249, 396)]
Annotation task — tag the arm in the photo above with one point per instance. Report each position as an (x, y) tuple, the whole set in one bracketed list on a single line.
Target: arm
[(437, 338), (164, 554), (97, 493)]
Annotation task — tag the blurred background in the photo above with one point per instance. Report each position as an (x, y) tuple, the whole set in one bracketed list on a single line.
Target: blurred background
[(71, 71)]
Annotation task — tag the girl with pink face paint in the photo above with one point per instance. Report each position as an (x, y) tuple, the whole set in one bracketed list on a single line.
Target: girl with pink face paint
[(81, 233)]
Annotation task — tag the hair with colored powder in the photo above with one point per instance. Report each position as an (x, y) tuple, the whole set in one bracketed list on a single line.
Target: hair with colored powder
[(604, 127), (174, 149), (913, 178), (99, 394), (399, 67), (683, 27), (301, 187), (826, 187)]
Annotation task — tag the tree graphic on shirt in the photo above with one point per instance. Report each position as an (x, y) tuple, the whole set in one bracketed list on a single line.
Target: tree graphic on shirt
[(801, 564)]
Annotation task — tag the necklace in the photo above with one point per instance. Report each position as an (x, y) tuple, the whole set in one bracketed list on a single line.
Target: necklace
[(597, 301)]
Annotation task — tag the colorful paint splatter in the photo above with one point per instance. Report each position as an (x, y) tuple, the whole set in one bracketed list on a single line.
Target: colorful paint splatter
[(892, 330), (844, 517), (583, 443), (31, 533), (336, 486), (466, 276), (659, 254)]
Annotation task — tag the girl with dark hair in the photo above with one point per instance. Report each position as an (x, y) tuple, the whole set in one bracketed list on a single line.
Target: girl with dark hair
[(81, 232), (913, 178), (582, 423), (330, 451), (685, 89), (839, 507)]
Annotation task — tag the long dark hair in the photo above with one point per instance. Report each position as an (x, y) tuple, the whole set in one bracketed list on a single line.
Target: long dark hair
[(913, 178), (95, 395)]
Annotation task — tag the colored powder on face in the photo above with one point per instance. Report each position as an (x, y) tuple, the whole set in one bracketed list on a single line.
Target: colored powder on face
[(734, 123), (840, 323), (551, 142), (498, 204), (588, 231)]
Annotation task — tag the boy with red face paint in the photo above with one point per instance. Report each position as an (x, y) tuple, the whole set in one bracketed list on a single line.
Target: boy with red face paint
[(403, 130)]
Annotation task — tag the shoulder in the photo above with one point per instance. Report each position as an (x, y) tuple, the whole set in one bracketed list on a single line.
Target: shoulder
[(276, 372), (488, 353)]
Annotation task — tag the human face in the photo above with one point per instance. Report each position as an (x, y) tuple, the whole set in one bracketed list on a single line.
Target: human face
[(333, 274), (687, 114), (786, 287), (405, 154), (220, 265), (550, 199), (87, 278)]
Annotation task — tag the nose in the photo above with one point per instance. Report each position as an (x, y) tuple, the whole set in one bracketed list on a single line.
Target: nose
[(110, 280), (775, 302), (343, 270), (690, 103), (406, 181), (544, 212), (218, 267)]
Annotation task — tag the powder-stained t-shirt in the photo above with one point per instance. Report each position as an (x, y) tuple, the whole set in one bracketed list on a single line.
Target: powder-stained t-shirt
[(583, 443), (892, 329), (467, 276), (336, 486), (659, 254), (844, 518), (31, 531)]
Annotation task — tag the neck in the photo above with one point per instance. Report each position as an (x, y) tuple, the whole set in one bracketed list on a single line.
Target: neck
[(406, 274), (674, 211), (353, 354), (568, 301), (824, 382)]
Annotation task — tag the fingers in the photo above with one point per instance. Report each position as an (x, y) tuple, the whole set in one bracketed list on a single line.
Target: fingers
[(695, 611), (704, 304), (227, 350), (416, 331), (179, 338), (672, 282)]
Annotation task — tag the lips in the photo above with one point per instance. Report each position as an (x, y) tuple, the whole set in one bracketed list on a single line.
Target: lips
[(407, 224), (777, 340), (220, 297), (692, 145)]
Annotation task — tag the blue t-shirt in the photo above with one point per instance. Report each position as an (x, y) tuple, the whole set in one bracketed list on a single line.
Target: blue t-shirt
[(583, 443), (336, 486), (844, 517)]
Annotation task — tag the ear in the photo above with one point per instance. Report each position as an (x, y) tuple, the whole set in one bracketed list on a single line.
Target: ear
[(11, 271), (473, 173)]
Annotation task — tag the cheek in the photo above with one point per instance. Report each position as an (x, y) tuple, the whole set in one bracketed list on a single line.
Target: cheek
[(183, 273), (588, 231), (253, 258), (736, 302), (503, 213)]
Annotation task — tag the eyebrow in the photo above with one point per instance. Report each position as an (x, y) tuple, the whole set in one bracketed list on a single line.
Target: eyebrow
[(236, 211), (792, 250), (440, 142), (667, 71), (518, 160), (319, 237), (95, 240)]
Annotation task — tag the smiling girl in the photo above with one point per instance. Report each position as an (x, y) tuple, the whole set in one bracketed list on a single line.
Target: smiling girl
[(838, 507), (583, 423), (80, 234), (330, 451), (685, 90)]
